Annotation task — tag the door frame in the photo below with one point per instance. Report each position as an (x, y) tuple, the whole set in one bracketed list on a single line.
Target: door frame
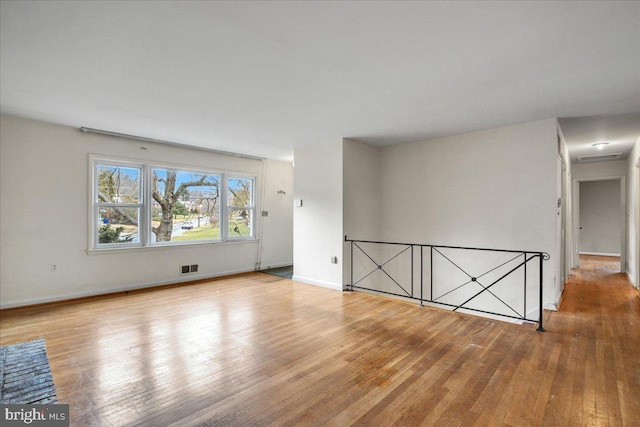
[(562, 227), (623, 218)]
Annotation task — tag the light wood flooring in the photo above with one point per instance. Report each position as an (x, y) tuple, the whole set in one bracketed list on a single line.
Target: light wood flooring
[(257, 350)]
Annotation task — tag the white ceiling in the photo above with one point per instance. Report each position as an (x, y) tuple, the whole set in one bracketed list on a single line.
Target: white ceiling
[(264, 77)]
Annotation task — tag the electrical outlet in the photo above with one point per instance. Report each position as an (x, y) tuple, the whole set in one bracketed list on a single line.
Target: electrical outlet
[(54, 268)]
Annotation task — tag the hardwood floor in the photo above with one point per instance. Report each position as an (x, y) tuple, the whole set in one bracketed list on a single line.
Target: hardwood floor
[(255, 349)]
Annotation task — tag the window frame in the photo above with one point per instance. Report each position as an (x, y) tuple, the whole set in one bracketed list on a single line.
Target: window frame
[(97, 205), (146, 202), (150, 201), (251, 208)]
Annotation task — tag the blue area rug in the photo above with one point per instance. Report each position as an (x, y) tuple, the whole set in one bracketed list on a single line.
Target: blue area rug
[(25, 375)]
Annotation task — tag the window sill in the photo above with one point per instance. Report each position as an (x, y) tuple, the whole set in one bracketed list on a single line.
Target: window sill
[(170, 246)]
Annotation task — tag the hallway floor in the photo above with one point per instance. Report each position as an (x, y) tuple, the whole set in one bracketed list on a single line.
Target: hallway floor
[(598, 328)]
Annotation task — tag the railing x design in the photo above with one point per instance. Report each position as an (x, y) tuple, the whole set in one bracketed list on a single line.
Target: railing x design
[(497, 282)]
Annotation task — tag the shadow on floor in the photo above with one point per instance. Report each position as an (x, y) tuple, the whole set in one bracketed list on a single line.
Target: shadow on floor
[(285, 272)]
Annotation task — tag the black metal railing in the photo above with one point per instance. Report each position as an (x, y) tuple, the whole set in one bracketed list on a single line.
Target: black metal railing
[(461, 278)]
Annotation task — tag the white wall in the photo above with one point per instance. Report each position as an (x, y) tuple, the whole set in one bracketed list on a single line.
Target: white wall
[(277, 227), (45, 198), (600, 213), (610, 169), (361, 171), (318, 227), (633, 215), (494, 188)]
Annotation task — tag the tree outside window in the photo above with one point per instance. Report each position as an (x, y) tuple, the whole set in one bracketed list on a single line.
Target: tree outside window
[(186, 206), (118, 200), (180, 206), (240, 207)]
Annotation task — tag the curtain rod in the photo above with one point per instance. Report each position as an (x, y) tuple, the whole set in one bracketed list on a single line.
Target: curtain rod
[(160, 141)]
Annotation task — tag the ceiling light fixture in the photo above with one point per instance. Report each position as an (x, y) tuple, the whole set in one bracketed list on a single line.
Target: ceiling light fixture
[(600, 145)]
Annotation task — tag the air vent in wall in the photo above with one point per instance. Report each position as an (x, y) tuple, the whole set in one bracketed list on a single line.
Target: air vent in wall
[(186, 269), (599, 157)]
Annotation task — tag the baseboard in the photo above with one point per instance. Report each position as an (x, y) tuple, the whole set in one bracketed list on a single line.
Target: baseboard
[(599, 254), (559, 304), (334, 286), (533, 314), (633, 282), (190, 278)]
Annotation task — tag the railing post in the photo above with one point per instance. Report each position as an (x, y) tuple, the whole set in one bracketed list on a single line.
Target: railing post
[(351, 264), (431, 275), (540, 327), (421, 275), (411, 272), (524, 313)]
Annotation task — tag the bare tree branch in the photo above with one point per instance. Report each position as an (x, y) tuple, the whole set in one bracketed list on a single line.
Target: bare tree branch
[(124, 217), (168, 200)]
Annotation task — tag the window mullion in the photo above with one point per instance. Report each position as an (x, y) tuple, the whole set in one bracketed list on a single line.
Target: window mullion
[(224, 209), (145, 214)]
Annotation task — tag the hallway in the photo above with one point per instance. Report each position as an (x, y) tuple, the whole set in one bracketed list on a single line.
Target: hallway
[(598, 328), (599, 287)]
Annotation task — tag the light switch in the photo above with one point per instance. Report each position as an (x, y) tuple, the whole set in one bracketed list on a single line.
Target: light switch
[(298, 203)]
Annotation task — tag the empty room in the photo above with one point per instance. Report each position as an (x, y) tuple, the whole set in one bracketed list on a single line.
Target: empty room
[(319, 213)]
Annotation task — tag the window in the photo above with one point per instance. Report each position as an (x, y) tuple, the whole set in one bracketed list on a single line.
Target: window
[(185, 206), (240, 207), (118, 203), (180, 206)]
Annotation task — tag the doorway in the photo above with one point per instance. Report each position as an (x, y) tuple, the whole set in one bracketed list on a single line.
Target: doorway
[(600, 220)]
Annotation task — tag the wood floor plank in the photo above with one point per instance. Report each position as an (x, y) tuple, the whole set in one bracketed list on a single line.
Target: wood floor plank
[(255, 350)]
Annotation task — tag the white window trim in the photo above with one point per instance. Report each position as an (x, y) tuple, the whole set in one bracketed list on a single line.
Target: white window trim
[(94, 208), (144, 221), (149, 181), (251, 208)]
